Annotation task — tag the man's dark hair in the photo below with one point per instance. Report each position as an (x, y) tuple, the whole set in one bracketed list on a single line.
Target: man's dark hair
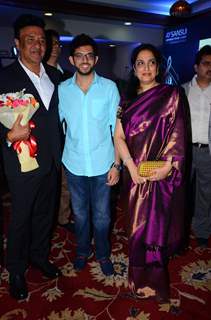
[(83, 40), (204, 51), (49, 35), (26, 20)]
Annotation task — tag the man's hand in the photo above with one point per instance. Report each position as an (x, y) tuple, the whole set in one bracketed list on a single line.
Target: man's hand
[(113, 176), (18, 132)]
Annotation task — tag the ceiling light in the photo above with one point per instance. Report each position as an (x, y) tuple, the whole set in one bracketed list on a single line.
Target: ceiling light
[(180, 8), (112, 45), (49, 14), (127, 23)]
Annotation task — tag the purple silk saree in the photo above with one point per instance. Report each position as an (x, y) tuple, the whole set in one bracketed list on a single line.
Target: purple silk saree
[(154, 127)]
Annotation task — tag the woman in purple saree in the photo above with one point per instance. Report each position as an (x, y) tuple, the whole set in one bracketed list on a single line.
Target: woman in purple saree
[(151, 126)]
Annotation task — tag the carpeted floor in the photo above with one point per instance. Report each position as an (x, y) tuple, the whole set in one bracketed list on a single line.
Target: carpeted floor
[(90, 295)]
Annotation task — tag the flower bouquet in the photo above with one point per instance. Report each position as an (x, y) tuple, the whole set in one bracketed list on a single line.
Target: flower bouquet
[(12, 105)]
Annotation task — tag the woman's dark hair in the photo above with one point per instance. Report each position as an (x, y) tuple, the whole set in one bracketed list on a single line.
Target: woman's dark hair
[(133, 82), (83, 40), (49, 35), (26, 20), (204, 51)]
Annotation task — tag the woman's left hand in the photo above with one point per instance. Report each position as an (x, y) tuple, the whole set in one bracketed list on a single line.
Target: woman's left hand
[(161, 173)]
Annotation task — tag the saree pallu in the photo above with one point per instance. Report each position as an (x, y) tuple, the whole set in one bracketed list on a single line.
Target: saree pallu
[(155, 129)]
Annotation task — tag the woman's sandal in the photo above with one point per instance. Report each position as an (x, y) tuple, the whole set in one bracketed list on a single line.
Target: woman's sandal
[(146, 292)]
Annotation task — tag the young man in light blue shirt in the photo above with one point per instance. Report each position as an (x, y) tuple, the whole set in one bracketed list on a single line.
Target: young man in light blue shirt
[(88, 103)]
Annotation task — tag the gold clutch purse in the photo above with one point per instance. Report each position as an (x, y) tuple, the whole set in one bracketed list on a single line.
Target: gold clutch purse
[(146, 167)]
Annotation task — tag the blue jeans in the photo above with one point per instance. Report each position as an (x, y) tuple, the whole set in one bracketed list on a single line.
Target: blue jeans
[(90, 197)]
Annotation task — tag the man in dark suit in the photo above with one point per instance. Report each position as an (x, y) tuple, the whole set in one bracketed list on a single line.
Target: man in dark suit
[(53, 53), (1, 222), (51, 57), (33, 193)]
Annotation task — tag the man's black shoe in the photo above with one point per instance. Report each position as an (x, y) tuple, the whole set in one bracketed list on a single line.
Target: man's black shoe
[(17, 287), (202, 242), (48, 269)]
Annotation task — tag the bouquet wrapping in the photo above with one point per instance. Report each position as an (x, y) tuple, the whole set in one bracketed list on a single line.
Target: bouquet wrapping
[(12, 105)]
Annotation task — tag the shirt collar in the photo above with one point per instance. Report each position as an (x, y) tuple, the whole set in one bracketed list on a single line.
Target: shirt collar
[(59, 68), (42, 69), (194, 83), (95, 79)]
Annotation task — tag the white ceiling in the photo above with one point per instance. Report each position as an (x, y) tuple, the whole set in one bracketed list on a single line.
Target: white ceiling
[(137, 11)]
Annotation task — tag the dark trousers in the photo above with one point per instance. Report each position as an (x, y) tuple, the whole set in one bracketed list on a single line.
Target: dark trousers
[(64, 201), (1, 212), (33, 206), (1, 233), (201, 167)]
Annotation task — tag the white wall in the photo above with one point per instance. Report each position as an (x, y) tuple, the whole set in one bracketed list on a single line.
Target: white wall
[(115, 31), (122, 64), (106, 29), (6, 36)]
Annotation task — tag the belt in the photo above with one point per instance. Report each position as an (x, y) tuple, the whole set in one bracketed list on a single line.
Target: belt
[(200, 145)]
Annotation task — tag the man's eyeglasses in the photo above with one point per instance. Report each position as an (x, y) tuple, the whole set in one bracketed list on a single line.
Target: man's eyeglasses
[(81, 56), (206, 63)]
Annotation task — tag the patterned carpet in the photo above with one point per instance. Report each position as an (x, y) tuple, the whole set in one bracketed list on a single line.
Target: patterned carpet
[(90, 295)]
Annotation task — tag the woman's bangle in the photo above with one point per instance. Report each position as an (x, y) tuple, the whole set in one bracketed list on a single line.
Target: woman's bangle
[(126, 160)]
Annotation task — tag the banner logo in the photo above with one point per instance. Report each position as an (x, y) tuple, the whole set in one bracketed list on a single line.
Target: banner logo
[(176, 36)]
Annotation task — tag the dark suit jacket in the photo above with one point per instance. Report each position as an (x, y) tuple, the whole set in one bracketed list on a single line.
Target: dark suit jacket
[(47, 132)]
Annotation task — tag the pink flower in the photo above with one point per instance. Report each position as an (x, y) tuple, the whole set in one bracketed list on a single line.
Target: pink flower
[(19, 102), (18, 99)]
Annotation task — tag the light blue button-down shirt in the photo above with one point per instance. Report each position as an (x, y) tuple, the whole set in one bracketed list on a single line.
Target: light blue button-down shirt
[(90, 119)]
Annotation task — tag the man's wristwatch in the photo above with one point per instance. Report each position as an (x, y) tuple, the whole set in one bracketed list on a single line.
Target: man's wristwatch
[(116, 166)]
